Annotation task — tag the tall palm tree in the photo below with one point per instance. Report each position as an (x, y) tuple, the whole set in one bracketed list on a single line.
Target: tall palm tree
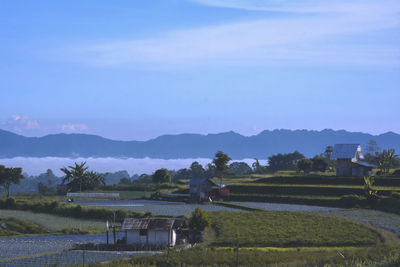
[(75, 174)]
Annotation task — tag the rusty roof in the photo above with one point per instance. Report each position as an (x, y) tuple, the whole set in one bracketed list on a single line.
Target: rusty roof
[(147, 223)]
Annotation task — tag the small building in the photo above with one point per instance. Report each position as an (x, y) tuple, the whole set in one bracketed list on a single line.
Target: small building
[(349, 160), (152, 231), (202, 189)]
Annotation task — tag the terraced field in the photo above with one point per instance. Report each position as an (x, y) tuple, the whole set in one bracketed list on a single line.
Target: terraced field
[(155, 207), (53, 222), (288, 229), (74, 257)]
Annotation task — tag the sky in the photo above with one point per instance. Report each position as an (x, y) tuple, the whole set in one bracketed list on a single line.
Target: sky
[(134, 70)]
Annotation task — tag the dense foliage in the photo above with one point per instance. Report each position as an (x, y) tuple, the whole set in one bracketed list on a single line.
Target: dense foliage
[(9, 176), (161, 176), (68, 210), (78, 178), (13, 227), (284, 161), (199, 221)]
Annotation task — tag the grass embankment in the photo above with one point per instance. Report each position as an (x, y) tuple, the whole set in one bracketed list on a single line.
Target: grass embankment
[(16, 227), (54, 223), (69, 210)]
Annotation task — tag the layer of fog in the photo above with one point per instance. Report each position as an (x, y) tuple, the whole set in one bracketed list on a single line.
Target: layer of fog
[(36, 166)]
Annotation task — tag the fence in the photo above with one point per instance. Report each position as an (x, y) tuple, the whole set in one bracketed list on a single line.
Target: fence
[(105, 195)]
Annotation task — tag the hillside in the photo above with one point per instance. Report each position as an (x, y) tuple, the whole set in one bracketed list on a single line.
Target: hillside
[(187, 145)]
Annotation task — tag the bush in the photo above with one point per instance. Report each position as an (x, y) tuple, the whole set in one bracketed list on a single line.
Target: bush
[(10, 202), (69, 210)]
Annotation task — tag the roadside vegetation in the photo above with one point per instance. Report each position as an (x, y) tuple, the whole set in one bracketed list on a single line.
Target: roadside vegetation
[(54, 223), (16, 227)]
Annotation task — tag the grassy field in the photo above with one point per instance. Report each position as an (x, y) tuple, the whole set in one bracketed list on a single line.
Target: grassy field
[(288, 229), (15, 227), (206, 257), (53, 222), (298, 239)]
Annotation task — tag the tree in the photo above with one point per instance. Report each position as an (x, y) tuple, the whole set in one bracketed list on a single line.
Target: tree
[(124, 181), (75, 175), (386, 160), (239, 168), (93, 180), (199, 221), (328, 152), (197, 171), (372, 147), (257, 167), (305, 165), (221, 164), (319, 164), (210, 171), (161, 176), (284, 162), (10, 176)]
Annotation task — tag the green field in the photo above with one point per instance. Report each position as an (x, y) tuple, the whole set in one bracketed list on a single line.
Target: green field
[(279, 239), (288, 229), (53, 222)]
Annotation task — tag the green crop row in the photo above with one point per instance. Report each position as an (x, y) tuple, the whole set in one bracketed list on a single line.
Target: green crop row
[(297, 190), (328, 180)]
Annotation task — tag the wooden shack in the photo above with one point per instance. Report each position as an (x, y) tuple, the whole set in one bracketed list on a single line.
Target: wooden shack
[(152, 231), (349, 160), (202, 189)]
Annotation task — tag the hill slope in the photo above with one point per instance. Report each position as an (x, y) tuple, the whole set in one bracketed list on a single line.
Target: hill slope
[(237, 146)]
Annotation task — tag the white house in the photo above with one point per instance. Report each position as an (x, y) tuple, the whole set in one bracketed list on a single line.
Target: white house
[(151, 231)]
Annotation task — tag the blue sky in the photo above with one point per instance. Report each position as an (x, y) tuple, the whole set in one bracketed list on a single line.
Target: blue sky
[(134, 70)]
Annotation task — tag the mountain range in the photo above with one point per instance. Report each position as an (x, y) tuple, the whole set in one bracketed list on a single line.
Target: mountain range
[(181, 146)]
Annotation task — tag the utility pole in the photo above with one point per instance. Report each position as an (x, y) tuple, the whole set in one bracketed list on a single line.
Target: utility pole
[(114, 234)]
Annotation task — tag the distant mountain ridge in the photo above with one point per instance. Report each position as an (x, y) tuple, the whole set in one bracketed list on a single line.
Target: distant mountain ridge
[(181, 146)]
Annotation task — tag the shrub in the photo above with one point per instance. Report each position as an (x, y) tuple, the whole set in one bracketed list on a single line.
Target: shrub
[(10, 202)]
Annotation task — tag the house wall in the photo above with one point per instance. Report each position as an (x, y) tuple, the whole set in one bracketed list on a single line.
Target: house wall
[(344, 167), (154, 237), (134, 237)]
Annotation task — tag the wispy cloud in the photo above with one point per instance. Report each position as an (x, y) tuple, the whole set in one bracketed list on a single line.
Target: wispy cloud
[(328, 32), (70, 127), (20, 123)]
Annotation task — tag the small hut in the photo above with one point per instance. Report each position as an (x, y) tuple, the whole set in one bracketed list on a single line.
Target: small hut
[(202, 189), (349, 160), (152, 231)]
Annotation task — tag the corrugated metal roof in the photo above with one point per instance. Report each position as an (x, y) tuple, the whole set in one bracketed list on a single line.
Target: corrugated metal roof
[(344, 151), (365, 164), (152, 223), (196, 181)]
